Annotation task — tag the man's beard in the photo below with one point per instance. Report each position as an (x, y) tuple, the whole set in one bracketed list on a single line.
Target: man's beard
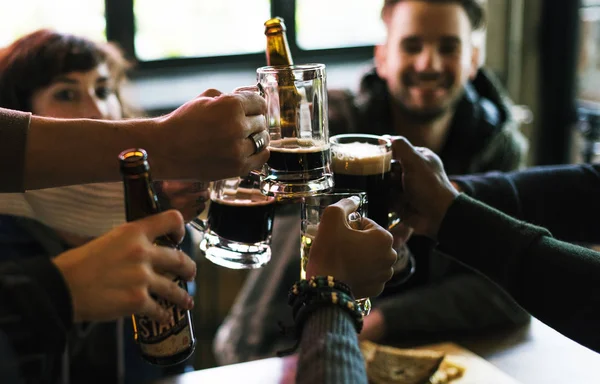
[(426, 115)]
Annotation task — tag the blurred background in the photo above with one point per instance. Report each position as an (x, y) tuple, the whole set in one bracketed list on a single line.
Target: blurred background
[(546, 53)]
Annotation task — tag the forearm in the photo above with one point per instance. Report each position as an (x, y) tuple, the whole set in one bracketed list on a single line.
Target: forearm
[(53, 158), (554, 281), (461, 303), (329, 351), (532, 195)]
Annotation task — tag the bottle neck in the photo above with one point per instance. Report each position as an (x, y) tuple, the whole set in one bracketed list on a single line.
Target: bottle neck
[(140, 198), (278, 50)]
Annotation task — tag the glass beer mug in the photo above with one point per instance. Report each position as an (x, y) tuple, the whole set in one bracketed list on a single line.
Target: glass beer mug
[(363, 161), (300, 159), (312, 209), (237, 231)]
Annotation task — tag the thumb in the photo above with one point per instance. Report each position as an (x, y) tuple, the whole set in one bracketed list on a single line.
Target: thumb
[(340, 210), (405, 152)]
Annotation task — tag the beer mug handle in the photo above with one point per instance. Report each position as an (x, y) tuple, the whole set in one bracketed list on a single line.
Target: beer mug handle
[(258, 89), (396, 168), (354, 220), (198, 224)]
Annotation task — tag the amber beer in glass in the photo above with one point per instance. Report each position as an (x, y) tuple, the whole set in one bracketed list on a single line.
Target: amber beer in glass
[(312, 209)]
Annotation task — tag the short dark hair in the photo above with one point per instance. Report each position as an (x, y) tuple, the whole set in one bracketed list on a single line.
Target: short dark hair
[(33, 61), (473, 8)]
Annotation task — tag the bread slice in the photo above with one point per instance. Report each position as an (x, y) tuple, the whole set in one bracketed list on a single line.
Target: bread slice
[(399, 366), (447, 372)]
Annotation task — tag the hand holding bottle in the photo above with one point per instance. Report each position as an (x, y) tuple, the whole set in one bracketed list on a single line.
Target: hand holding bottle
[(114, 275)]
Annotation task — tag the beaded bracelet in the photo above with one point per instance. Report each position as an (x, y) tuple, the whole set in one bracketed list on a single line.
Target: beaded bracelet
[(328, 298), (307, 296), (316, 282), (319, 291)]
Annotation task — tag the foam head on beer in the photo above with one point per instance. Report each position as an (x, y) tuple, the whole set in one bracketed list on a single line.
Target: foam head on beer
[(360, 159)]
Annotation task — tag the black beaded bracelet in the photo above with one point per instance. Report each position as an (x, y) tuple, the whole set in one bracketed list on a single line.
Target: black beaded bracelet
[(324, 299), (307, 296), (317, 282)]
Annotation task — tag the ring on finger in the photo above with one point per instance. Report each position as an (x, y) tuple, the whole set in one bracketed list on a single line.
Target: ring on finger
[(260, 141)]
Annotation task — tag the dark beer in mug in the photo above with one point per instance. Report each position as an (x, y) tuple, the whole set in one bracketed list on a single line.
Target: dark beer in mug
[(245, 216), (365, 166), (298, 159)]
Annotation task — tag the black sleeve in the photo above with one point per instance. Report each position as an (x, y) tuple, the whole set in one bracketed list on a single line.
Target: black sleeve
[(35, 313), (555, 281), (564, 199)]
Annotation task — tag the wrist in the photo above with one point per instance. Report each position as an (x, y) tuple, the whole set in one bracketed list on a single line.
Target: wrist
[(152, 135), (443, 204)]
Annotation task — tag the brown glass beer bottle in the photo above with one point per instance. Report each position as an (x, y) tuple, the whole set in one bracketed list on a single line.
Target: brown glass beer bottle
[(160, 343), (278, 49), (278, 53)]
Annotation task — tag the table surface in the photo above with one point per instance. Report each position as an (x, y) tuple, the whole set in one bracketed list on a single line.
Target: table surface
[(533, 354)]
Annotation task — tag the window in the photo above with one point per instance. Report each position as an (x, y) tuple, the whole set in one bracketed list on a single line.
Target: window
[(338, 23), (73, 16), (171, 33), (193, 28), (588, 68)]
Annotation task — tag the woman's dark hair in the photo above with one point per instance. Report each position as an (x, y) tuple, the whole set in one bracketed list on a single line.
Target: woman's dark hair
[(33, 61)]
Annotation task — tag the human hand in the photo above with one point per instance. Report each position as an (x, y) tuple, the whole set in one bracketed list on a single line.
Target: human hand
[(362, 258), (114, 275), (426, 191), (188, 198), (210, 136), (373, 326)]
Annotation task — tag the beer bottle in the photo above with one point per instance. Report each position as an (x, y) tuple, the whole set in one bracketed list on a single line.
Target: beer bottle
[(290, 100), (278, 49), (160, 343)]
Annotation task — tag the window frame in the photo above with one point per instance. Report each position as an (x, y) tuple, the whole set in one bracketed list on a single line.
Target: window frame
[(120, 28)]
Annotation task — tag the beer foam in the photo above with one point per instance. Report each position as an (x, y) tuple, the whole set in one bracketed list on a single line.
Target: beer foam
[(360, 159), (244, 197), (296, 145)]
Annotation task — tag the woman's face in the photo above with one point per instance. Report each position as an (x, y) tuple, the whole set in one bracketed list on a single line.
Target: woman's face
[(74, 95)]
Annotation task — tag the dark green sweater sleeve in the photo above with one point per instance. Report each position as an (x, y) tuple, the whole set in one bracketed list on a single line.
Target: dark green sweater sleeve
[(536, 195), (555, 281)]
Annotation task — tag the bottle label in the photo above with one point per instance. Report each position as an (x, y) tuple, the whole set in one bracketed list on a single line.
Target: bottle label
[(165, 339)]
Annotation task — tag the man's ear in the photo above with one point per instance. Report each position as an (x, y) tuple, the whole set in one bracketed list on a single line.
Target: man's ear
[(380, 56), (475, 62)]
